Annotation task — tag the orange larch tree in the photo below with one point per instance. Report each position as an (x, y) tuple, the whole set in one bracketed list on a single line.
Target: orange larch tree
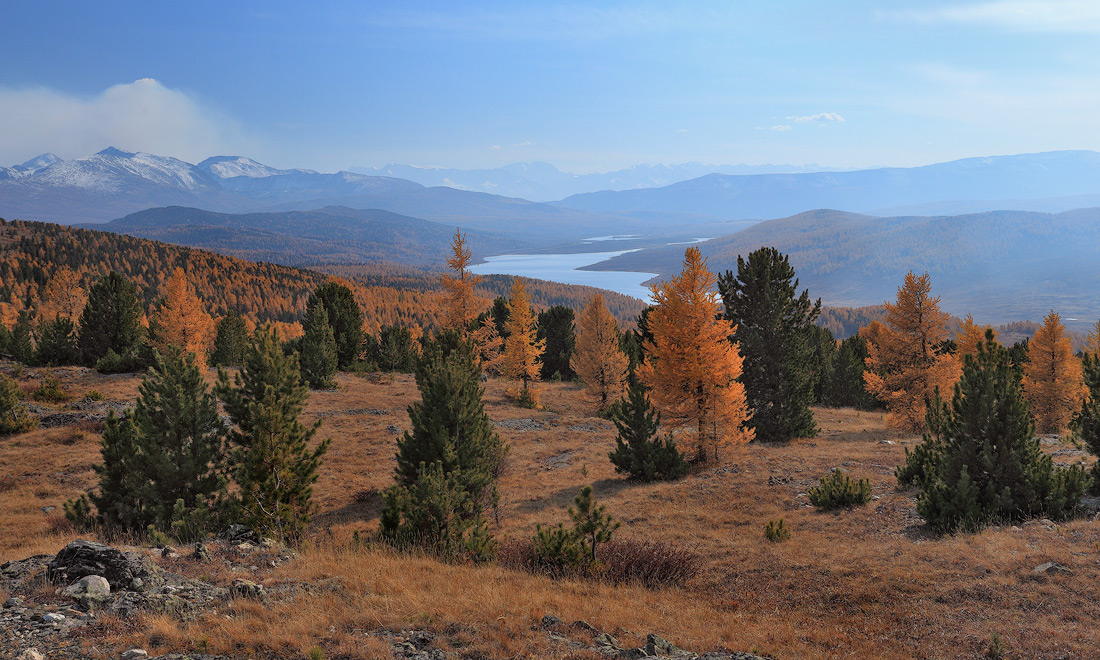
[(181, 320), (969, 337), (63, 296), (1053, 381), (596, 356), (460, 305), (522, 349), (692, 366), (906, 361)]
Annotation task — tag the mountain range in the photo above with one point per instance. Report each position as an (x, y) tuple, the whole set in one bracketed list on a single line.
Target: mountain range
[(1001, 266)]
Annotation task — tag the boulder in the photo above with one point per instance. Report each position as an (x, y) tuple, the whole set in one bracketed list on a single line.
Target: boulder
[(31, 654), (90, 591), (1050, 568), (83, 558), (247, 589)]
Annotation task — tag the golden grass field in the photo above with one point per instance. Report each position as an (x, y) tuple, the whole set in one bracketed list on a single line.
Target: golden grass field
[(872, 582)]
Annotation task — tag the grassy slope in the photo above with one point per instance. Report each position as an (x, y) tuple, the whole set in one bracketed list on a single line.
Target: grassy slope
[(865, 583)]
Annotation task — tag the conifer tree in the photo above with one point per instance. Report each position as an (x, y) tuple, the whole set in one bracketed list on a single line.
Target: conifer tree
[(57, 343), (1086, 422), (447, 464), (773, 326), (970, 336), (460, 305), (63, 296), (597, 358), (991, 466), (555, 328), (5, 340), (522, 349), (318, 349), (22, 338), (639, 451), (230, 341), (163, 463), (1093, 345), (1052, 377), (346, 319), (845, 384), (692, 367), (14, 418), (110, 320), (181, 320), (590, 524), (906, 361), (274, 467), (396, 350)]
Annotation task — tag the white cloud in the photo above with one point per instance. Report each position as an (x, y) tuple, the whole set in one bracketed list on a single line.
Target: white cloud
[(1081, 16), (681, 130), (820, 117), (525, 143), (140, 116)]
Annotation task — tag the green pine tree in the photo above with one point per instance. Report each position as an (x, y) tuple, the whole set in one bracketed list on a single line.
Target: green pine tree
[(230, 342), (118, 499), (111, 320), (346, 319), (1086, 423), (448, 463), (57, 343), (5, 340), (555, 326), (991, 467), (318, 347), (639, 451), (394, 350), (843, 387), (774, 326), (590, 524), (22, 338), (14, 418), (273, 465)]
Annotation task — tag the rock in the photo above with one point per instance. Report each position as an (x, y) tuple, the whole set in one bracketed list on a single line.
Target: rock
[(581, 624), (31, 654), (201, 553), (137, 584), (53, 617), (89, 591), (14, 601), (605, 640), (886, 442), (168, 552), (18, 572), (81, 558), (549, 621), (656, 645), (134, 654), (237, 534), (1050, 568), (247, 589), (421, 639), (393, 429)]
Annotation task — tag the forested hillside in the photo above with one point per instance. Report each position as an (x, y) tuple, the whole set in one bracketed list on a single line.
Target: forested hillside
[(390, 294)]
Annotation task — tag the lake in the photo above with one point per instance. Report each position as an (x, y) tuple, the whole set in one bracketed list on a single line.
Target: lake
[(563, 268)]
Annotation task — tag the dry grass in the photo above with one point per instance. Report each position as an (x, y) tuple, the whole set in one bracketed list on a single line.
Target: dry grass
[(868, 582)]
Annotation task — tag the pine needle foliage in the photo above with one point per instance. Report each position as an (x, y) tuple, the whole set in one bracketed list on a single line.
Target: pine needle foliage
[(230, 341), (14, 418), (838, 490), (111, 320), (318, 349), (1086, 422), (346, 318), (774, 329), (991, 467), (273, 464), (640, 453), (57, 343)]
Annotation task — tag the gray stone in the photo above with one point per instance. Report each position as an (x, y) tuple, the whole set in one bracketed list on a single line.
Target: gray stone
[(656, 645), (134, 654), (31, 654), (53, 617), (603, 639), (201, 553), (549, 621), (89, 591), (81, 558), (14, 601), (247, 589), (1050, 568)]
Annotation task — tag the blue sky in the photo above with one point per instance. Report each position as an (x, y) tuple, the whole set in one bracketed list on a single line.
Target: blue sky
[(586, 87)]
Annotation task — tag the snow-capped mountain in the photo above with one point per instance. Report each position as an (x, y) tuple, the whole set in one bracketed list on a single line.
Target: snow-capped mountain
[(28, 168), (229, 167), (114, 170)]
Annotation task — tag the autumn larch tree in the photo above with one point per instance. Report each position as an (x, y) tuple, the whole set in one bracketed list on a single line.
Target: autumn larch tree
[(774, 328), (460, 304), (181, 320), (63, 297), (970, 336), (274, 466), (692, 366), (597, 358), (906, 358), (1053, 381), (522, 350)]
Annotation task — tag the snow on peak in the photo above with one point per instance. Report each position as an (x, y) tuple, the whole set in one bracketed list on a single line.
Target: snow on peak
[(229, 167)]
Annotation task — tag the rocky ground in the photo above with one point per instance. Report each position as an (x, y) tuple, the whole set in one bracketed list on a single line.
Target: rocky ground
[(58, 600)]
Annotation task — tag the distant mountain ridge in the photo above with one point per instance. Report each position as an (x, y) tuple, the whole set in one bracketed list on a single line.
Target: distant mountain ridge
[(1001, 266), (1051, 181), (542, 182)]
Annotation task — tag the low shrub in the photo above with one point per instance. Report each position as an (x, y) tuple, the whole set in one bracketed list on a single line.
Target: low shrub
[(651, 564), (50, 391), (777, 531), (94, 395), (839, 490)]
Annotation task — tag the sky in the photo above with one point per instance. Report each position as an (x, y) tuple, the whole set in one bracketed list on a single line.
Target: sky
[(587, 87)]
